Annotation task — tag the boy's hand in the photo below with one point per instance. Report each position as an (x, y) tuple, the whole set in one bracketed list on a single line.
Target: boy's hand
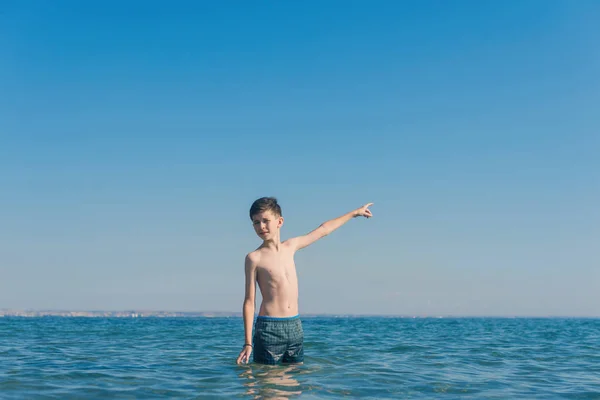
[(364, 211), (244, 356)]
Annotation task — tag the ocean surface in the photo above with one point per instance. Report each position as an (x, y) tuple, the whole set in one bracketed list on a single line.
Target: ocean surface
[(347, 357)]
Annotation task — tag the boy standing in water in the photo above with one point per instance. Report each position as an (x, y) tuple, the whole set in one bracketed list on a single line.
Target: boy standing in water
[(278, 335)]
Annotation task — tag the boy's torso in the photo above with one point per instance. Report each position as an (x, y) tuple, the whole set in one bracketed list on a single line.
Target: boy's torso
[(278, 282)]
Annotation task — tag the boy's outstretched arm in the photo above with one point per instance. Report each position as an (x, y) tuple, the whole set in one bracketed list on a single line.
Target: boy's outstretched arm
[(327, 227), (248, 309)]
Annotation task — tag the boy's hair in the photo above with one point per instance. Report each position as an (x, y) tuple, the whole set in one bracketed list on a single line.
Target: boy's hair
[(265, 204)]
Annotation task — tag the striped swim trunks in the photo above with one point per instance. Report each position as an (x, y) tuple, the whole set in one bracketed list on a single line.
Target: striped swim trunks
[(278, 340)]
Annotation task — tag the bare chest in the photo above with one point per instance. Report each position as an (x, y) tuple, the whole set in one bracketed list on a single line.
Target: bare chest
[(277, 268)]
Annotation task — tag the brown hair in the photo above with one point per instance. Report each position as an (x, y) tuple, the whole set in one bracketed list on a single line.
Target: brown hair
[(265, 204)]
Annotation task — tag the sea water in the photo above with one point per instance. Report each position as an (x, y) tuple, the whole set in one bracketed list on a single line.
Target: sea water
[(345, 357)]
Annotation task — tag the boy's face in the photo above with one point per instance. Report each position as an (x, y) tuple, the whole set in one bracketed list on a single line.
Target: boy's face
[(266, 224)]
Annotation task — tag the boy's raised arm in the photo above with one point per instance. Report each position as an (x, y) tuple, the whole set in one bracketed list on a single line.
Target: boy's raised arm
[(327, 227)]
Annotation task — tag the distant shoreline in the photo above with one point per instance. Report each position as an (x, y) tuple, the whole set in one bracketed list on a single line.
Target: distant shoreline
[(113, 313), (27, 313)]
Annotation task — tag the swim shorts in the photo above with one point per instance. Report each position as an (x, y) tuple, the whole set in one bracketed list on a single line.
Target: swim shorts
[(278, 340)]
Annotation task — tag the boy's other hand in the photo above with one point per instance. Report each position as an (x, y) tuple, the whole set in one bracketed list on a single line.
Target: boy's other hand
[(364, 211), (244, 356)]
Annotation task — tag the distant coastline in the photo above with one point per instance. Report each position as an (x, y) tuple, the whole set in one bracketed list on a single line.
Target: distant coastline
[(28, 313), (112, 314), (148, 314)]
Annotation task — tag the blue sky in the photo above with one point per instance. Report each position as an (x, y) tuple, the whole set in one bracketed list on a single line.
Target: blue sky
[(134, 137)]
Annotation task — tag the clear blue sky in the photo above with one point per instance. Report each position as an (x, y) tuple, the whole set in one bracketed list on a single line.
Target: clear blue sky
[(135, 135)]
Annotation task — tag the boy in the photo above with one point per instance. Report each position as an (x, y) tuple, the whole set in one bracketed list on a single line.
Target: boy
[(278, 335)]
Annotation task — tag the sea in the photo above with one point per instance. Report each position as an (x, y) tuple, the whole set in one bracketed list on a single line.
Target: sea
[(345, 357)]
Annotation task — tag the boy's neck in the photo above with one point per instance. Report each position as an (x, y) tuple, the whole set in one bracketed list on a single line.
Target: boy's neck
[(272, 244)]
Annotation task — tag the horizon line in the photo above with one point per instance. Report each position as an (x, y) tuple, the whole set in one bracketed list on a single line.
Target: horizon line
[(308, 314)]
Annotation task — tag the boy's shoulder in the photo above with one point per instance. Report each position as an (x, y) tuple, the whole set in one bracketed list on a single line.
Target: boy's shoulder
[(253, 256), (289, 243)]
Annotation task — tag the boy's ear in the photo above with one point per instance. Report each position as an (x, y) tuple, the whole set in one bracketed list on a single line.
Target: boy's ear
[(280, 222)]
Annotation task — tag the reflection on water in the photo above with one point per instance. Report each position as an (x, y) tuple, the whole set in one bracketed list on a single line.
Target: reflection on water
[(271, 381)]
